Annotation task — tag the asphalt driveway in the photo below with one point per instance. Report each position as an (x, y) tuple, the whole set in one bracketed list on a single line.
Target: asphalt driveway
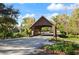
[(23, 46)]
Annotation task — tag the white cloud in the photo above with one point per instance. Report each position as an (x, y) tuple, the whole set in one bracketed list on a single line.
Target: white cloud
[(54, 14), (28, 15), (59, 6), (73, 6), (55, 7)]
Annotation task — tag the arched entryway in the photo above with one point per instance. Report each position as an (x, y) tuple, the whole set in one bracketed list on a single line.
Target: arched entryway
[(38, 25)]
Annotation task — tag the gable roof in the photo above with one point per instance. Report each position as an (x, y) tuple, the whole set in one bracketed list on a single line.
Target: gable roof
[(42, 21)]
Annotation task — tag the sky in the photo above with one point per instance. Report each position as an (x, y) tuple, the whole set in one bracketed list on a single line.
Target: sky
[(48, 10)]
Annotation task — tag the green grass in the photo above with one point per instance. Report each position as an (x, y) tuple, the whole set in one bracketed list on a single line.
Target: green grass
[(75, 40)]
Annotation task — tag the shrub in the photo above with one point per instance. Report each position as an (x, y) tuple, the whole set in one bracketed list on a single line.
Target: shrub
[(76, 46), (69, 50), (9, 34), (63, 34), (28, 32), (6, 35), (71, 35), (59, 47), (1, 35), (18, 35), (48, 47)]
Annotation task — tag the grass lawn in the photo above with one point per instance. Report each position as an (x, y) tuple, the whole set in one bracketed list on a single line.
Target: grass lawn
[(75, 40)]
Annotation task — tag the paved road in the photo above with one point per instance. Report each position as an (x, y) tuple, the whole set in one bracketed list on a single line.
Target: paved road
[(23, 46)]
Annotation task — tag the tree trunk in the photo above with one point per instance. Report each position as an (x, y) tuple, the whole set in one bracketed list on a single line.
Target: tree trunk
[(55, 35)]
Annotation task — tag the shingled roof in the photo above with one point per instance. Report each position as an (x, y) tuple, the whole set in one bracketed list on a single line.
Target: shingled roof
[(42, 21)]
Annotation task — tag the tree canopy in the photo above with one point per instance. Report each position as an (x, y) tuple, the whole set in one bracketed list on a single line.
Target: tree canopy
[(26, 24), (8, 17)]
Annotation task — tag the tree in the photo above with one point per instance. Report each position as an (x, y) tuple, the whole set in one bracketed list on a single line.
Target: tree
[(26, 24), (8, 11), (74, 22), (61, 24), (55, 29), (8, 16)]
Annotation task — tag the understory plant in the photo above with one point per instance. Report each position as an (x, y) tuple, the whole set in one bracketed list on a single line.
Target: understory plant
[(67, 48)]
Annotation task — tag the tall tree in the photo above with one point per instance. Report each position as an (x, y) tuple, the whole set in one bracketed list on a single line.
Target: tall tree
[(8, 17), (74, 21), (55, 27), (26, 24), (61, 23)]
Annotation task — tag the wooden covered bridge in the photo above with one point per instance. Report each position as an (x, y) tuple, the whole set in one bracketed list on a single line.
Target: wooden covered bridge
[(41, 22)]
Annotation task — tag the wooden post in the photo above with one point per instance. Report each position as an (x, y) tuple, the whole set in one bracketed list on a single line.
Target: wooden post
[(32, 33)]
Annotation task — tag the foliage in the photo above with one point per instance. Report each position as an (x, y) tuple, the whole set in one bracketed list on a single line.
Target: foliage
[(67, 48), (61, 21), (63, 34), (1, 35), (71, 36), (17, 35), (26, 24), (68, 24), (9, 34), (45, 29), (8, 16), (8, 10)]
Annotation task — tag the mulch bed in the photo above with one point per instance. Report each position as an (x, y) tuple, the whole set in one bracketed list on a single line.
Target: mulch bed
[(50, 52)]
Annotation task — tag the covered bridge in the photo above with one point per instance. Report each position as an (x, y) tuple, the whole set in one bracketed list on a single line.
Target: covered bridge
[(41, 22)]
